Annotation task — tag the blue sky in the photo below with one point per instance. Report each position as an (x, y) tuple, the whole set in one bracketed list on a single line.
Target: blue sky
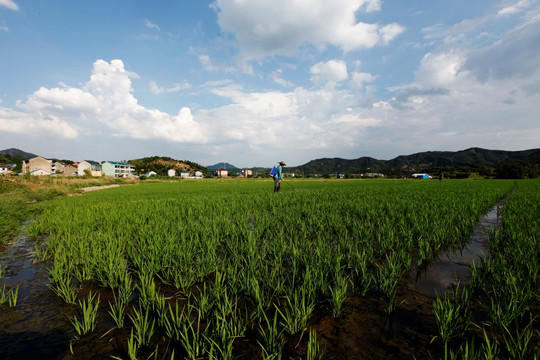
[(255, 82)]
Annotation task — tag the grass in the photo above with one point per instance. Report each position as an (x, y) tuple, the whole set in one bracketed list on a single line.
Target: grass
[(20, 197)]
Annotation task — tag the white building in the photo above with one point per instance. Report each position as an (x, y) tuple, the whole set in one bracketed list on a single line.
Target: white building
[(171, 173), (117, 169), (93, 166)]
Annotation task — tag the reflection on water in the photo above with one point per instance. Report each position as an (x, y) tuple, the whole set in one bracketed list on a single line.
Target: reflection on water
[(454, 264), (38, 327)]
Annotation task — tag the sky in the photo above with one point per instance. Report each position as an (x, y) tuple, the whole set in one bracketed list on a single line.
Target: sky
[(255, 82)]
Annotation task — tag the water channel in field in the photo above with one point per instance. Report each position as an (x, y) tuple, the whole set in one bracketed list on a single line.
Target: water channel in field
[(453, 265), (39, 326)]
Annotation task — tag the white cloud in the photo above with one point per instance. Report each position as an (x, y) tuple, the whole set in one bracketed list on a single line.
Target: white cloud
[(330, 72), (105, 102), (266, 105), (34, 125), (155, 89), (211, 66), (10, 4), (263, 27), (440, 68), (151, 25), (515, 7), (277, 77), (358, 79)]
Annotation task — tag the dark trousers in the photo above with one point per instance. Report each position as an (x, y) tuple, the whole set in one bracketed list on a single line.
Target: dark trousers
[(277, 185)]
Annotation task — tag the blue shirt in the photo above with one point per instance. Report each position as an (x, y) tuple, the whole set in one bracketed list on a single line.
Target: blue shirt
[(279, 172)]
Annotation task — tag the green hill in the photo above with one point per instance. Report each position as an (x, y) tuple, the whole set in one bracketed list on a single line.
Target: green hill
[(485, 162), (160, 165)]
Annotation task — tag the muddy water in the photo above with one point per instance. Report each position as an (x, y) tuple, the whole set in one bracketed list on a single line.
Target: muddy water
[(39, 326), (453, 265)]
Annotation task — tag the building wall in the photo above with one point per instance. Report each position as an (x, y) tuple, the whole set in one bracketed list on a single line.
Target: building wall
[(70, 170), (83, 165), (95, 168), (38, 163), (113, 169)]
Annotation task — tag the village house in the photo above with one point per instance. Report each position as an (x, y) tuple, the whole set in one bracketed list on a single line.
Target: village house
[(38, 163), (246, 173), (93, 166), (221, 173), (40, 172), (7, 169), (184, 174), (70, 170), (117, 169), (198, 174), (171, 173), (64, 169)]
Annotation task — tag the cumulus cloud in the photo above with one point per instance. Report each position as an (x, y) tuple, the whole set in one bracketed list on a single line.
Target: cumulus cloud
[(263, 28), (106, 100), (440, 68), (32, 124), (330, 72), (10, 4), (358, 79)]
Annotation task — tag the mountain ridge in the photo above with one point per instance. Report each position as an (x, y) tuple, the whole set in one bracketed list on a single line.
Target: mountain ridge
[(426, 161)]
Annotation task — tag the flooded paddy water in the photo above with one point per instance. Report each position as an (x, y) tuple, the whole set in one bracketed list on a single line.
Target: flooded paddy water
[(39, 326)]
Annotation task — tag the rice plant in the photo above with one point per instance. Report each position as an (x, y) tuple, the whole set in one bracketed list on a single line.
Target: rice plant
[(315, 351), (338, 294), (273, 340), (64, 289), (297, 311), (117, 311), (144, 326), (519, 342), (174, 323), (9, 296), (194, 339), (87, 322), (452, 315)]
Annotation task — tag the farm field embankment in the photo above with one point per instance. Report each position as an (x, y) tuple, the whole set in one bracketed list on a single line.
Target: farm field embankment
[(226, 269)]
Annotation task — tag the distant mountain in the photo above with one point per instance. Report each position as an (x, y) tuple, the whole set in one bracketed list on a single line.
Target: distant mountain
[(13, 152), (222, 165), (428, 161), (468, 157)]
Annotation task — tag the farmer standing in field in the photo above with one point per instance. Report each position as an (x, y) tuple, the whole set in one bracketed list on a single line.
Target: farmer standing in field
[(278, 176)]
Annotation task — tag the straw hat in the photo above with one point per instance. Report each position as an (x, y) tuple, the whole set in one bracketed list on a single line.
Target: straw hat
[(282, 163)]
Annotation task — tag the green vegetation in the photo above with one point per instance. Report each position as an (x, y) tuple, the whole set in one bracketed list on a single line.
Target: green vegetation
[(21, 197), (192, 268), (161, 164), (470, 163)]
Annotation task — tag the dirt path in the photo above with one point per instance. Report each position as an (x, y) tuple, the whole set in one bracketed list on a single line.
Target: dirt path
[(92, 188)]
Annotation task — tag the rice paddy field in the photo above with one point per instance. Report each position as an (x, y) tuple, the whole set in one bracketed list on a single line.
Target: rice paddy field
[(229, 270)]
